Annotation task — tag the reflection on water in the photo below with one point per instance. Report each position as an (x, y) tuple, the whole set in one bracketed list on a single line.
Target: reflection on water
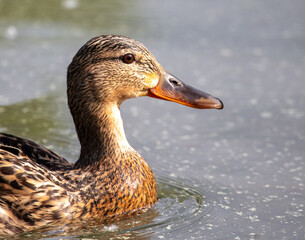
[(73, 12), (45, 120)]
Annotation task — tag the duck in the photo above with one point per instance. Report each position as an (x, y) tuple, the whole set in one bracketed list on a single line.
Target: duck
[(109, 179)]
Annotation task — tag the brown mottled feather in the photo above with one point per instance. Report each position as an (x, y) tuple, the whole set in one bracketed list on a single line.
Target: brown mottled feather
[(38, 187), (35, 152)]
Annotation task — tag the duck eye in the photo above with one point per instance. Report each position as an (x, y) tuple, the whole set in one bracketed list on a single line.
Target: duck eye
[(128, 58)]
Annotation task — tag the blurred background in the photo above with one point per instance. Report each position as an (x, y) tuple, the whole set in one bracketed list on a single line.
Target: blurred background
[(246, 162)]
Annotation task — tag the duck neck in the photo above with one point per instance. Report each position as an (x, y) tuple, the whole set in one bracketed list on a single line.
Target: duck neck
[(101, 135)]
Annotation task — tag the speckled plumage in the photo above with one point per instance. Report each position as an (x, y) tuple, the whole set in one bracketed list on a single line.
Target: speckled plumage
[(32, 195), (38, 187)]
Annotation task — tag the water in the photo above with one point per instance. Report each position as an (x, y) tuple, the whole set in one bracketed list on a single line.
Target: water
[(231, 174)]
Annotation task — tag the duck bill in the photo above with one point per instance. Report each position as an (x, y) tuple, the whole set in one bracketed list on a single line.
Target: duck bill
[(172, 89)]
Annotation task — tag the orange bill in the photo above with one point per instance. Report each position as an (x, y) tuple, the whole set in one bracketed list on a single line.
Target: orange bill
[(172, 89)]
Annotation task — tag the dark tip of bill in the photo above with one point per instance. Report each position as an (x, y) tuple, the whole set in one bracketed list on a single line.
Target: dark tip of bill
[(221, 104)]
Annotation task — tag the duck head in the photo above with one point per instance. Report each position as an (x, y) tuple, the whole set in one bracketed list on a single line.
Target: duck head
[(112, 68)]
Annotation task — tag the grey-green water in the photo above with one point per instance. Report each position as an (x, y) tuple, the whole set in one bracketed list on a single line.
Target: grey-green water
[(231, 174)]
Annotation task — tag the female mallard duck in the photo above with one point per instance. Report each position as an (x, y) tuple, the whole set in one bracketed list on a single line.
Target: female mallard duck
[(110, 178)]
